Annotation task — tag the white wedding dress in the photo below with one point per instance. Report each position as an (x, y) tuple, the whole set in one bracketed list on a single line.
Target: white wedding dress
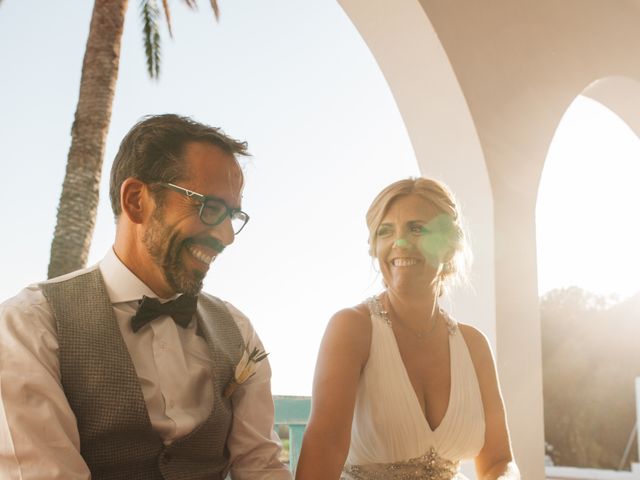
[(390, 436)]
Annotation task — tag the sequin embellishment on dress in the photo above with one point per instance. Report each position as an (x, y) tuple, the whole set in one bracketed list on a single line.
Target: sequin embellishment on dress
[(430, 466)]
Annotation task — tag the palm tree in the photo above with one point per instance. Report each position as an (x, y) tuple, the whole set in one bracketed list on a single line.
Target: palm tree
[(80, 190)]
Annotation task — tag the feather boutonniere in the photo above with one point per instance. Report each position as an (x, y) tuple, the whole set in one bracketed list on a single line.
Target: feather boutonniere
[(245, 369)]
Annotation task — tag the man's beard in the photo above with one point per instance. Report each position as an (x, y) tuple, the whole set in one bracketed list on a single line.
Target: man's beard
[(166, 246)]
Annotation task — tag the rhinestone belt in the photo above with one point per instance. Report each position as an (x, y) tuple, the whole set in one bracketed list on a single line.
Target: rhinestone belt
[(430, 466)]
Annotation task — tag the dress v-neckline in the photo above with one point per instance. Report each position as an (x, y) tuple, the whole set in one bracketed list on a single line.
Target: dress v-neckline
[(406, 377)]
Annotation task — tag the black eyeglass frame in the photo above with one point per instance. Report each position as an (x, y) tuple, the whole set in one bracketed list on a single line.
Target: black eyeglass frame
[(203, 199)]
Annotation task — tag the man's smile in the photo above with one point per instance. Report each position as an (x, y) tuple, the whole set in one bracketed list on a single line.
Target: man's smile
[(202, 254)]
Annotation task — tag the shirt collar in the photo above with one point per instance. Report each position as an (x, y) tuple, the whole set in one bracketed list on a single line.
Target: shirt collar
[(122, 284)]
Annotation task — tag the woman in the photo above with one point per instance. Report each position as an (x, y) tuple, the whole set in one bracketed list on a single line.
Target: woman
[(401, 390)]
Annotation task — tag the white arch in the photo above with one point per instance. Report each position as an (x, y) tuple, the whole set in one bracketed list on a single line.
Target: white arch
[(441, 130), (518, 68), (621, 95), (440, 127)]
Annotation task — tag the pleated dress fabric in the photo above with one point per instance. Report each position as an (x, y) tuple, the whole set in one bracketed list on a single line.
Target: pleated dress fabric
[(389, 425)]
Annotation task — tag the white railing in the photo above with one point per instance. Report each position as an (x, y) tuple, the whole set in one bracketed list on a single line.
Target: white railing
[(574, 473)]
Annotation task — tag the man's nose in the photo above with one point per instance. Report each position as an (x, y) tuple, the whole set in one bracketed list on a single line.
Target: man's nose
[(223, 232)]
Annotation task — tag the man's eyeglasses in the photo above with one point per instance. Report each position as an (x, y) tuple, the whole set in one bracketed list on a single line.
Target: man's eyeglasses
[(213, 210)]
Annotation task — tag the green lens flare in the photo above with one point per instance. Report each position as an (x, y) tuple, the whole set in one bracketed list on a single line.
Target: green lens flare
[(401, 243), (438, 239)]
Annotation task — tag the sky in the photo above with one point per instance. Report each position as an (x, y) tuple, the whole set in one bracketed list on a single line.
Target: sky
[(587, 211), (295, 80), (309, 103)]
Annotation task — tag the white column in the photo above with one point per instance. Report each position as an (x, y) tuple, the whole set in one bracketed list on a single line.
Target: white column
[(638, 412)]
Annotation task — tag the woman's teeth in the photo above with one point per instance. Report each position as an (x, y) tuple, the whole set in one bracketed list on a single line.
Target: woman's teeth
[(403, 262)]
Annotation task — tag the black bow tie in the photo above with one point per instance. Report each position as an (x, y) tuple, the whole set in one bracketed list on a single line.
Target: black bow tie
[(181, 310)]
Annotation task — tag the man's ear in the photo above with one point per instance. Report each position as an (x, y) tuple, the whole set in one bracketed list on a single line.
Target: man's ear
[(135, 199)]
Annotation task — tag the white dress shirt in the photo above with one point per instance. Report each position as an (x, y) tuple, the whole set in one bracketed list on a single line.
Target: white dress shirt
[(39, 437)]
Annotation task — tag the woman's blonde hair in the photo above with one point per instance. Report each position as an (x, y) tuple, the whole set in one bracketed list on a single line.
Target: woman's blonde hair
[(438, 194)]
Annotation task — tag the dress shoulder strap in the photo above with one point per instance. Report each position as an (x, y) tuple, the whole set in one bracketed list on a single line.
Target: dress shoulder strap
[(451, 323), (378, 314), (375, 307)]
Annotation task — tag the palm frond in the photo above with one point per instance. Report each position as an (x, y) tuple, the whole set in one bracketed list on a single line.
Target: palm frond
[(150, 14), (167, 14), (216, 9), (193, 4)]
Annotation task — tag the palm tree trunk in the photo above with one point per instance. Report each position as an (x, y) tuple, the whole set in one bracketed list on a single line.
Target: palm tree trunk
[(80, 191)]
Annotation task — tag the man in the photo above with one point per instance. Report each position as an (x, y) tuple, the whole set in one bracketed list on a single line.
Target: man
[(108, 372)]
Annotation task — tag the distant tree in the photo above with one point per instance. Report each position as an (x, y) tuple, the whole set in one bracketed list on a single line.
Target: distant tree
[(78, 205), (590, 360)]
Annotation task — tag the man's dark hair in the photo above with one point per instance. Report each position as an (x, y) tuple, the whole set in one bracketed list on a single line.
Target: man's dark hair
[(152, 151)]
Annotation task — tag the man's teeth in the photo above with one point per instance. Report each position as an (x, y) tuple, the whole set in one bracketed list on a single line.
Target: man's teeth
[(200, 255), (404, 262)]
